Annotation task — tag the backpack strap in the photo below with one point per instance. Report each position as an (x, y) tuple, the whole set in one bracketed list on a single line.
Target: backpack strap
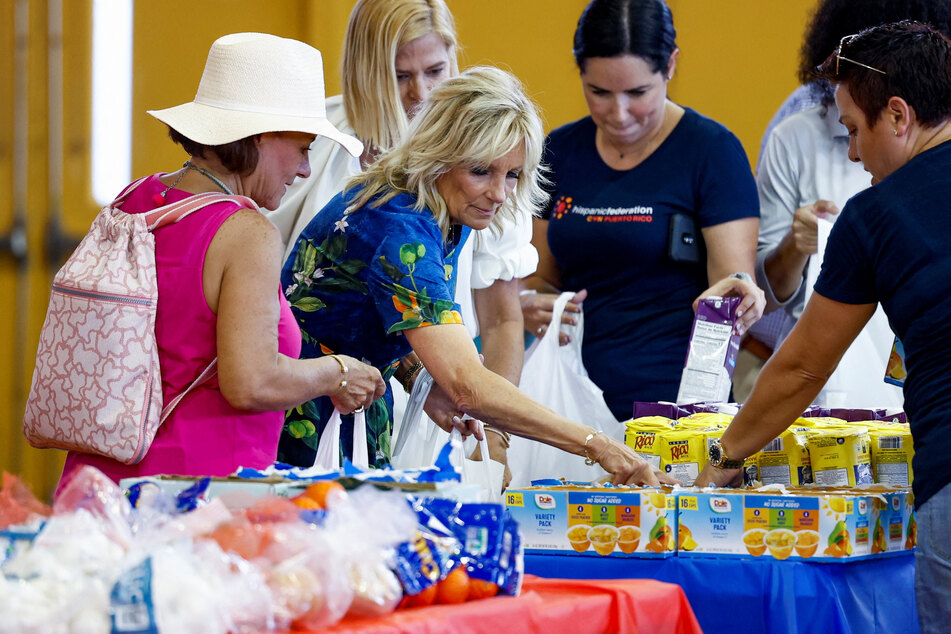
[(128, 190), (174, 212), (206, 374)]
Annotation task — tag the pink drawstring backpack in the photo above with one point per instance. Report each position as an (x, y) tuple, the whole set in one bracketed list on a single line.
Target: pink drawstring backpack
[(97, 387)]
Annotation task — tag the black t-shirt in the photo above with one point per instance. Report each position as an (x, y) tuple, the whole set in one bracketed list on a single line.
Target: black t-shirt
[(608, 232), (892, 244)]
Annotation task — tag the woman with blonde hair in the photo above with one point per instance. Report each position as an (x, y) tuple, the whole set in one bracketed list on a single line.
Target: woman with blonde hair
[(395, 52), (372, 275)]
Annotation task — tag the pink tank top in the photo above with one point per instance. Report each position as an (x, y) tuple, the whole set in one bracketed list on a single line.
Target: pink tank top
[(204, 435)]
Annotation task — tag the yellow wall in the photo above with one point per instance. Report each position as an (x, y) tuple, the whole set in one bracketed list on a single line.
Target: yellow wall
[(737, 64)]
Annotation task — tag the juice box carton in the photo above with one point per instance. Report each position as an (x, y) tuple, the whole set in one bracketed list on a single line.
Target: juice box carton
[(911, 523), (816, 526), (892, 450), (711, 353), (888, 521), (595, 521), (889, 514), (840, 455)]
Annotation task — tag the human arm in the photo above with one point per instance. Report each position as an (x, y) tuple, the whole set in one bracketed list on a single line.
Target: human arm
[(785, 265), (790, 380), (501, 328), (502, 331), (545, 285), (731, 248), (241, 278), (789, 183), (451, 358)]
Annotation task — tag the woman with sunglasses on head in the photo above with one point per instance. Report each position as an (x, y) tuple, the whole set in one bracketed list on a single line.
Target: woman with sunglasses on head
[(623, 178), (889, 246), (395, 53), (805, 174)]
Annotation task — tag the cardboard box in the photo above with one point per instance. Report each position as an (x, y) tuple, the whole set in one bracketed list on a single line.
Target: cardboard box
[(814, 526), (590, 521)]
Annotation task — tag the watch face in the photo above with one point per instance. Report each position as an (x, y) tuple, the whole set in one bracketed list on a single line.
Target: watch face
[(716, 454)]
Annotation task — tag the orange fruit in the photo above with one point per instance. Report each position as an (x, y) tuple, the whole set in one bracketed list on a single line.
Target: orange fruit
[(305, 502), (325, 493), (479, 589), (421, 600), (454, 588)]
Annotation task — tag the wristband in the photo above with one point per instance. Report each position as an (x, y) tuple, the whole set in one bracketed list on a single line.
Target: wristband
[(741, 275), (407, 379)]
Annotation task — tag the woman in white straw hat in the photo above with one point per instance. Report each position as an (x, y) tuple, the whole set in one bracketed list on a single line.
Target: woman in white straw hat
[(373, 273), (247, 132)]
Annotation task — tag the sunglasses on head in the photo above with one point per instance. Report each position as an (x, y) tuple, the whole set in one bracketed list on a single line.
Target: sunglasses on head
[(840, 58)]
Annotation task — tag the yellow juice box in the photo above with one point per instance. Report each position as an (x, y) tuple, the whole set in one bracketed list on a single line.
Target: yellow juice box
[(641, 435), (785, 460), (840, 456), (683, 452), (891, 452)]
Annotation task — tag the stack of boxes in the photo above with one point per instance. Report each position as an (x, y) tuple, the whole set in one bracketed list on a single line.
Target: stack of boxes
[(798, 524), (837, 488)]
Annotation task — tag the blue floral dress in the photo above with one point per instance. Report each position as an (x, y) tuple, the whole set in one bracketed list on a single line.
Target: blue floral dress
[(355, 282)]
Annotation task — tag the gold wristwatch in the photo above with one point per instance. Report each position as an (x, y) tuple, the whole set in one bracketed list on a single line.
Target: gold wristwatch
[(719, 459)]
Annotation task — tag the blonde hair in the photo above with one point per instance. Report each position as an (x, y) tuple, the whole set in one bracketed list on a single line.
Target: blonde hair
[(377, 28), (466, 121)]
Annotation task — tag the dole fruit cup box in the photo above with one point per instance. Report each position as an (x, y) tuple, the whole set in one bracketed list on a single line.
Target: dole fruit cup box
[(814, 526), (595, 521)]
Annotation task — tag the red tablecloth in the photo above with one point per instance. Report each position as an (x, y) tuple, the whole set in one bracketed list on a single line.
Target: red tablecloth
[(549, 606)]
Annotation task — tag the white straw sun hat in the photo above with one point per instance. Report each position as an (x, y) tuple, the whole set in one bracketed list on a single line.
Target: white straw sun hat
[(255, 83)]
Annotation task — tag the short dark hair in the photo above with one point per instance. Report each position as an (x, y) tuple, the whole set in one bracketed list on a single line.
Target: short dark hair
[(611, 28), (239, 157), (916, 61), (834, 19)]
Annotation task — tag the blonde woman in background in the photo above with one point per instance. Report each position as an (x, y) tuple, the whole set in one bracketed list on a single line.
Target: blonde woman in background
[(395, 53)]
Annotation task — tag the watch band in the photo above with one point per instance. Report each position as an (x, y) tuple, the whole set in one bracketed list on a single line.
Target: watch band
[(724, 462)]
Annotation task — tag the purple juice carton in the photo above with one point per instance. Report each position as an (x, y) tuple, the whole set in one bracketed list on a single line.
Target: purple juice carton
[(711, 356)]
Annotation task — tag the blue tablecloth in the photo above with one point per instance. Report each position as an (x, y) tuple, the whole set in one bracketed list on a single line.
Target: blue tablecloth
[(762, 595)]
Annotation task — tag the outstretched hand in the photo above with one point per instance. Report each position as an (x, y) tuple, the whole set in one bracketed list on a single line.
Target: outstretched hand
[(624, 465)]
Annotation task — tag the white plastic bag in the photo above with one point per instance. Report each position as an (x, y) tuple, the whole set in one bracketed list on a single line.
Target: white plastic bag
[(417, 445), (328, 448), (420, 440), (555, 376)]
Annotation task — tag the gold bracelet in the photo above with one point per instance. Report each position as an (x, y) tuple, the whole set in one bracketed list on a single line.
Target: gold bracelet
[(588, 460), (343, 370), (407, 380)]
